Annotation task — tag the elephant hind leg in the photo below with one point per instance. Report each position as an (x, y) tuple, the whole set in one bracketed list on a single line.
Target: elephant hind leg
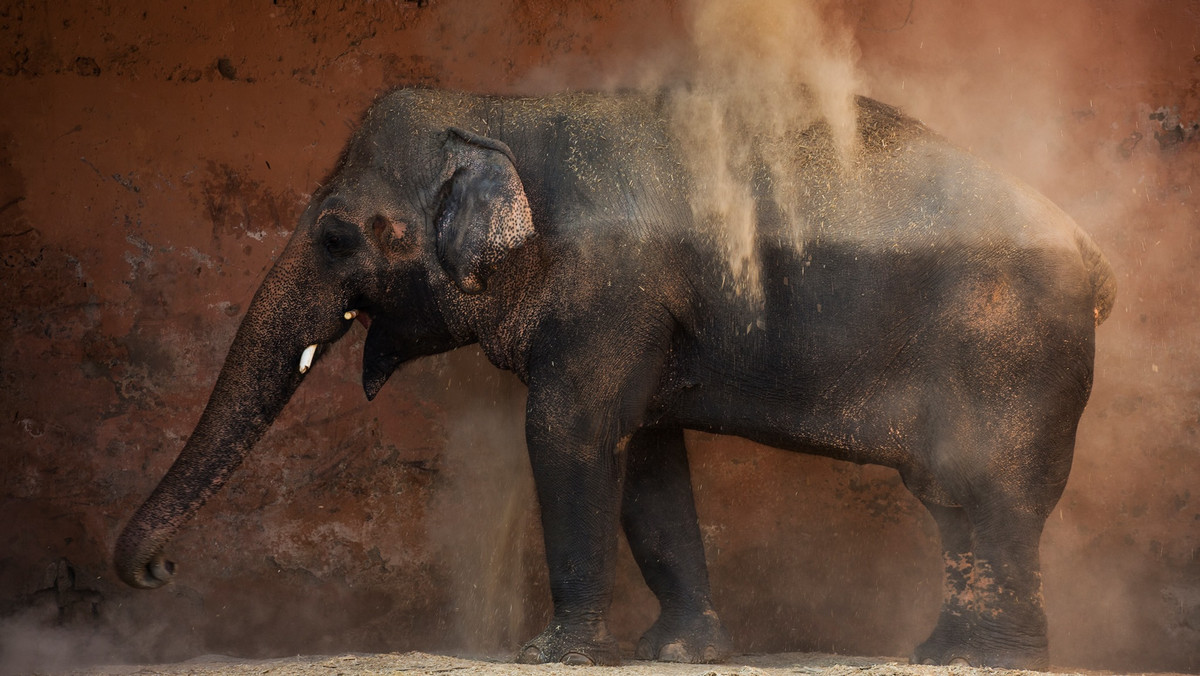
[(954, 624), (658, 514), (992, 614), (1001, 457)]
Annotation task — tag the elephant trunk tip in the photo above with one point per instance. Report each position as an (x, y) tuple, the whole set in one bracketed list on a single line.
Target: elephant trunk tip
[(140, 569), (153, 574)]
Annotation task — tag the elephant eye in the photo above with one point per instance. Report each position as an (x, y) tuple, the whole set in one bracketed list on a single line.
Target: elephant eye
[(339, 239)]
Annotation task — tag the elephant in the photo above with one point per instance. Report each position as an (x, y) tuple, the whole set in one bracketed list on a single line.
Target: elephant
[(915, 309)]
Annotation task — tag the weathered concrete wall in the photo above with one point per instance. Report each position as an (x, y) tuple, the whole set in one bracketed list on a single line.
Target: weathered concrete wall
[(153, 160)]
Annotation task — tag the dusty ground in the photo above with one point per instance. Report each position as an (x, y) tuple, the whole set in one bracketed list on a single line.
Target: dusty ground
[(424, 663)]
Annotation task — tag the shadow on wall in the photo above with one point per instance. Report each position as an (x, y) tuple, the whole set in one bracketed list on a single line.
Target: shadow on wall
[(153, 161)]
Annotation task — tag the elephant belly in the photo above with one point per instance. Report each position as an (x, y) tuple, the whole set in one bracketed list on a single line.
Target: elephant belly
[(860, 356), (855, 415)]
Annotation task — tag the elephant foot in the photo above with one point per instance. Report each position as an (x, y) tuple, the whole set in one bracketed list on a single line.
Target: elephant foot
[(697, 638), (957, 641), (573, 643)]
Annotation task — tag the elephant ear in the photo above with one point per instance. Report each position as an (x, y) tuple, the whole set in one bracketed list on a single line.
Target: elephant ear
[(483, 214)]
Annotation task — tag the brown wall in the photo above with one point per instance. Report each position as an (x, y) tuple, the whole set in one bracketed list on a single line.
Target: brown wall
[(153, 160)]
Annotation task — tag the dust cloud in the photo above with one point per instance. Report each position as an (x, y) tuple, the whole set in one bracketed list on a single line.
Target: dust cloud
[(758, 73), (33, 643), (64, 625), (484, 525)]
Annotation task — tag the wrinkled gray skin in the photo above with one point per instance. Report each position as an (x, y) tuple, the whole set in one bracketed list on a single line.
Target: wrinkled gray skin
[(919, 311)]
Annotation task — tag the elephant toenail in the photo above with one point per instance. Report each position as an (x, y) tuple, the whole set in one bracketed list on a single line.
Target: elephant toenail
[(673, 652), (711, 654), (530, 655), (959, 662), (577, 660)]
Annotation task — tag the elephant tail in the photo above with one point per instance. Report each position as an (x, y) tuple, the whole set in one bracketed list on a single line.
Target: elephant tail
[(1100, 274)]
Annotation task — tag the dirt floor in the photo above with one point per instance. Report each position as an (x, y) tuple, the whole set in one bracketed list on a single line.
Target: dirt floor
[(784, 664)]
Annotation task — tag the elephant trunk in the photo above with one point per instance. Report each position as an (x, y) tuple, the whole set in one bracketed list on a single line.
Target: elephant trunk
[(220, 442), (258, 378)]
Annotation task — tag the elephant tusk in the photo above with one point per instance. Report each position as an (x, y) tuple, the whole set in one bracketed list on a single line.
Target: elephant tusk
[(350, 314), (306, 358)]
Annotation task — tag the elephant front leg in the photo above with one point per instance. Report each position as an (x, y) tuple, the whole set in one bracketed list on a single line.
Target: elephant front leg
[(659, 518), (578, 468)]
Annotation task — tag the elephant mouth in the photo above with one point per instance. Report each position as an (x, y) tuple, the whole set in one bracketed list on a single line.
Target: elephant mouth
[(310, 353)]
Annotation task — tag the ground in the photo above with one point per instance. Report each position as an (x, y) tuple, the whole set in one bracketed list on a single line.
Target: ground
[(782, 664)]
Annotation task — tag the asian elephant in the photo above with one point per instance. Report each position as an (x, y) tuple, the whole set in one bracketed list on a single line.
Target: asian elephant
[(914, 308)]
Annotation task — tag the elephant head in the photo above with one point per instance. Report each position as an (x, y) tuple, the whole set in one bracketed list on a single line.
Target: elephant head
[(404, 235)]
